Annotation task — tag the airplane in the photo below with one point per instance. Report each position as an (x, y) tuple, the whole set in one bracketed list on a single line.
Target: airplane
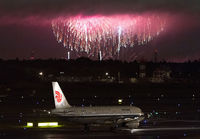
[(119, 116)]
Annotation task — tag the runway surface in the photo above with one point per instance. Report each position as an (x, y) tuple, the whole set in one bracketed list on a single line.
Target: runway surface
[(140, 133)]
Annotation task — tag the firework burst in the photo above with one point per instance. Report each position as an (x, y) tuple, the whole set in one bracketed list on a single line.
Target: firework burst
[(106, 37)]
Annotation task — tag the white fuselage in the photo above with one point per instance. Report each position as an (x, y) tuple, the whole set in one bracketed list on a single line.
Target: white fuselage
[(89, 114)]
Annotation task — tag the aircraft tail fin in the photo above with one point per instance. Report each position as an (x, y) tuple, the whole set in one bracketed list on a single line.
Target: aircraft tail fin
[(59, 98)]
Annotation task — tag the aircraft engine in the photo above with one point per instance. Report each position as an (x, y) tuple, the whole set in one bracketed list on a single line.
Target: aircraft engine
[(133, 124)]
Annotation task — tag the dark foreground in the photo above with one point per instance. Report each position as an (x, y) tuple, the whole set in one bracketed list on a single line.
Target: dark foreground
[(151, 129), (147, 133)]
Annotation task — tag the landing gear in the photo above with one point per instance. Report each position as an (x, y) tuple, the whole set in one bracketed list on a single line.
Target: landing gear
[(86, 128), (114, 126)]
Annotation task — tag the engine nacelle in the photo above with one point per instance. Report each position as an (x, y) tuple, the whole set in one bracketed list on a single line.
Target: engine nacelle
[(133, 124)]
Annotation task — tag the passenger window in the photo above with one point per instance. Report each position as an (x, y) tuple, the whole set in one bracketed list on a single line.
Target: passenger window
[(125, 109)]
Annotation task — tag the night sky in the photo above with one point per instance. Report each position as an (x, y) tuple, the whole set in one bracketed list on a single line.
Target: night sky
[(25, 26)]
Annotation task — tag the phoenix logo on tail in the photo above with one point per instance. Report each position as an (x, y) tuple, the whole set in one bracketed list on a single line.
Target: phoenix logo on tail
[(58, 96)]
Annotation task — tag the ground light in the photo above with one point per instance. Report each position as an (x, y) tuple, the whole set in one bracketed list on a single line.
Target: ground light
[(29, 124), (120, 101), (44, 124), (48, 124)]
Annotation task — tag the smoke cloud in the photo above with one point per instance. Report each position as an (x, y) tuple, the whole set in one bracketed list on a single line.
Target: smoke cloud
[(88, 7)]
